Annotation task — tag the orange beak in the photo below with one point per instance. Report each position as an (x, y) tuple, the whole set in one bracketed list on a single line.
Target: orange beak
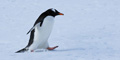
[(61, 14)]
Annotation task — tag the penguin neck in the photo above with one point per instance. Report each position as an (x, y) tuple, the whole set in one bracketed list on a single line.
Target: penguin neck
[(48, 20), (48, 23)]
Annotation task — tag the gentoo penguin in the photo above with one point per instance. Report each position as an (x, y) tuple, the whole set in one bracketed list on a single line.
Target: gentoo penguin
[(41, 31)]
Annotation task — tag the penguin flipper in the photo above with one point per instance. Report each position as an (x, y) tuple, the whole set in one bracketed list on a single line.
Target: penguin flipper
[(31, 29)]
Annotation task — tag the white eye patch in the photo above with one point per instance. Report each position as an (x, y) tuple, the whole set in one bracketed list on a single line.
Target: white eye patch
[(53, 10)]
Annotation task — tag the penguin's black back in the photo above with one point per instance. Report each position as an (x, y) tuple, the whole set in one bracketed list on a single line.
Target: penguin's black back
[(40, 19)]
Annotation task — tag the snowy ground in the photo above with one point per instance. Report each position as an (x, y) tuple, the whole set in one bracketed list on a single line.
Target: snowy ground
[(89, 29)]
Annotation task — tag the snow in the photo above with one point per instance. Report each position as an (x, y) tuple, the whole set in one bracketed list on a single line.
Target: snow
[(89, 29)]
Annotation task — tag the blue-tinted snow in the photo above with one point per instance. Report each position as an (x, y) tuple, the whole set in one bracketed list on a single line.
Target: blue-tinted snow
[(89, 29)]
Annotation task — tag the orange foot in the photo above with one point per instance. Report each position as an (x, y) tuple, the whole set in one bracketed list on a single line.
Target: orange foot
[(52, 48), (32, 50)]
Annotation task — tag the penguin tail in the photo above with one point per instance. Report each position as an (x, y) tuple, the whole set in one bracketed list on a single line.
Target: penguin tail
[(22, 50)]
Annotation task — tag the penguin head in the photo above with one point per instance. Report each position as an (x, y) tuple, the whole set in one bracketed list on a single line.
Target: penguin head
[(53, 12)]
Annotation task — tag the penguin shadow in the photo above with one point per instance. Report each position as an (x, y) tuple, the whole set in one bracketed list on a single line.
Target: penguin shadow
[(41, 50), (71, 49), (60, 50)]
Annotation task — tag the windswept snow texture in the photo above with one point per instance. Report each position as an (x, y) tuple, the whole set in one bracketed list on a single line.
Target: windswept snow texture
[(89, 29)]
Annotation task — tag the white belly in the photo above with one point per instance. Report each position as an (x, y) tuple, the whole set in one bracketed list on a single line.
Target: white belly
[(42, 34)]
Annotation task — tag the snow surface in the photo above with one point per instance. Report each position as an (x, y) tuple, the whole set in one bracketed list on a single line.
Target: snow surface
[(89, 29)]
